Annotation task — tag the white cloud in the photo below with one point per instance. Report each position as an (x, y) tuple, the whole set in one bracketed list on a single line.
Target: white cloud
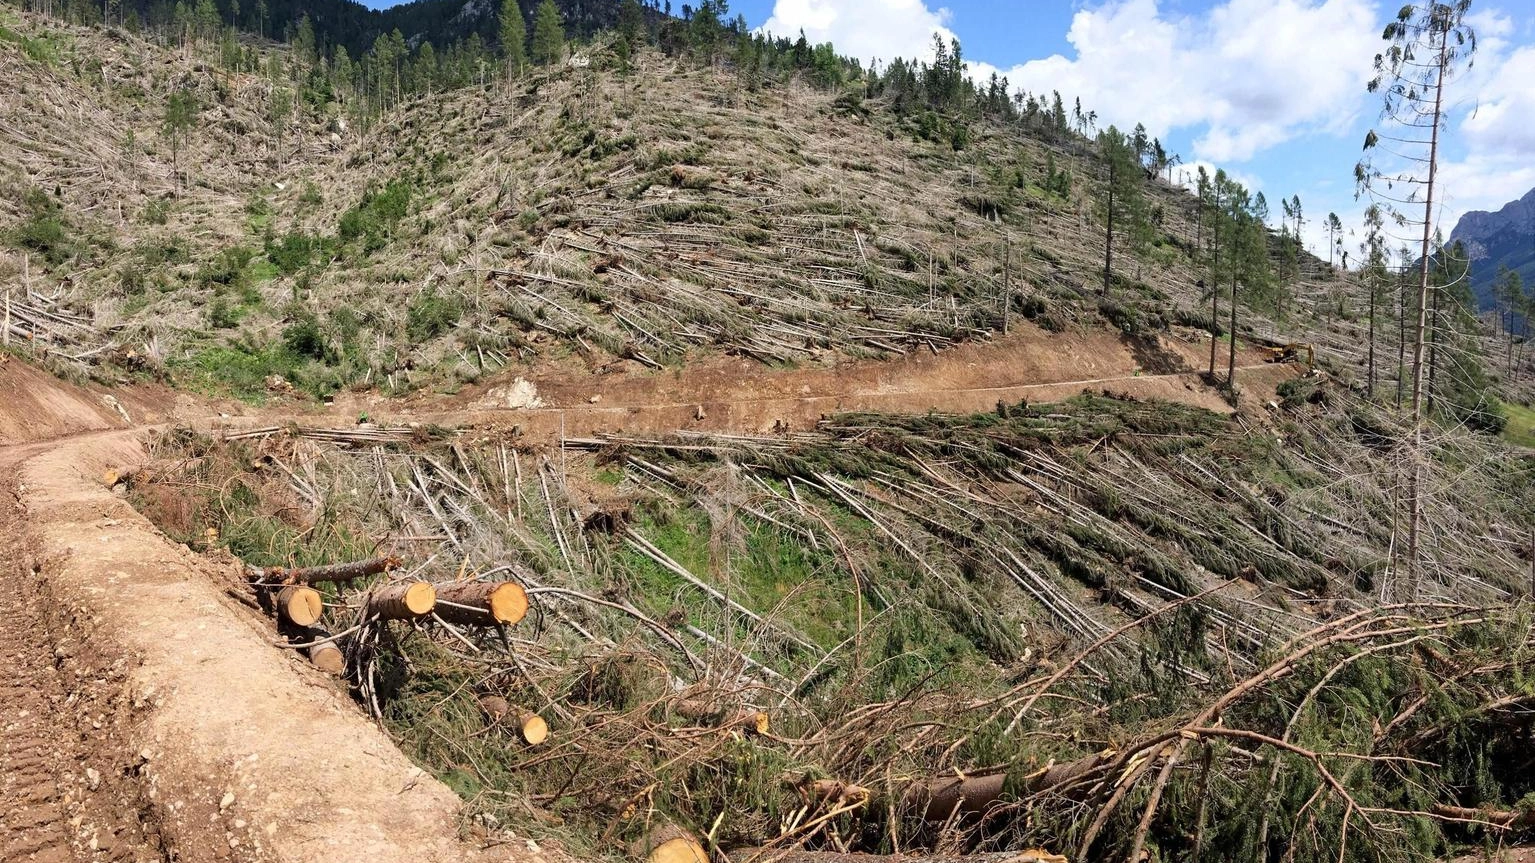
[(863, 29), (1251, 74)]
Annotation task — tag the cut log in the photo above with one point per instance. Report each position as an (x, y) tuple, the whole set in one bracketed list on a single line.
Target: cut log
[(941, 799), (782, 855), (531, 727), (839, 793), (330, 572), (402, 600), (326, 657), (937, 799), (707, 712), (668, 844), (300, 605), (481, 603)]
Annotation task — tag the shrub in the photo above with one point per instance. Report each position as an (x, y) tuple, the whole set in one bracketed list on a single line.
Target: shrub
[(157, 212), (430, 315), (291, 253), (375, 217), (305, 337), (45, 230)]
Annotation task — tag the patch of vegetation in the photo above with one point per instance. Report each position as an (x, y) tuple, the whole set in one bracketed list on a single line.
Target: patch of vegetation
[(373, 220), (45, 230), (292, 251), (1520, 427), (430, 315)]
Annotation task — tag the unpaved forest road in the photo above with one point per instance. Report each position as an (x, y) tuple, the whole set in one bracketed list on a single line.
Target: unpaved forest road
[(145, 715)]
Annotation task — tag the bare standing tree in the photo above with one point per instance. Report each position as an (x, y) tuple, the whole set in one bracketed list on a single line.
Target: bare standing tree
[(1426, 44)]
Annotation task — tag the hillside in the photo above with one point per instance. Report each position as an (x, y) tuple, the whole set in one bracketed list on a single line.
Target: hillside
[(646, 217), (850, 510)]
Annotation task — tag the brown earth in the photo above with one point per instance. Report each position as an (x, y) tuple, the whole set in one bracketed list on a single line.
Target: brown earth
[(147, 716), (731, 394)]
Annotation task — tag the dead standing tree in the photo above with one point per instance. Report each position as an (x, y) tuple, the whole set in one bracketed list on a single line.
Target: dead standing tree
[(1426, 45)]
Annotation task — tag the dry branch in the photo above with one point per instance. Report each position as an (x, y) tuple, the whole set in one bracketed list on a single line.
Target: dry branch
[(775, 855)]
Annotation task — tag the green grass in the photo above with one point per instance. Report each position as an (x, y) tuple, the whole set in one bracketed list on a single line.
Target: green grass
[(1521, 425)]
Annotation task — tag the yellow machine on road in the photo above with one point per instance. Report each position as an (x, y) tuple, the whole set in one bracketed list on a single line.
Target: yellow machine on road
[(1291, 353)]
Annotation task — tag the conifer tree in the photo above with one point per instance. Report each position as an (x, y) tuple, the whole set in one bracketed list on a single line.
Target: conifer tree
[(548, 34), (180, 117), (514, 37), (1123, 200)]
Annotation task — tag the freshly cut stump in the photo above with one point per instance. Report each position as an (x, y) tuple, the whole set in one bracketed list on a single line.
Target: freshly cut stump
[(300, 605), (670, 844), (404, 600), (481, 603), (533, 727)]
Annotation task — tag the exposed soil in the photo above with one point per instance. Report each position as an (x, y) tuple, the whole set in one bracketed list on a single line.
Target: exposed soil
[(147, 717), (731, 394), (67, 778)]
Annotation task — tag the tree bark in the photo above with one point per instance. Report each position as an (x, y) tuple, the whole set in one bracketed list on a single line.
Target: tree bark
[(403, 600), (331, 572), (481, 603)]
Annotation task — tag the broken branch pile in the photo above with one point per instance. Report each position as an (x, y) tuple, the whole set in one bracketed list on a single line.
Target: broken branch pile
[(1102, 626)]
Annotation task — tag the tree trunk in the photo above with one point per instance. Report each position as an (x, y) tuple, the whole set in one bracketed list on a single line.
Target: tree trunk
[(299, 605), (331, 572), (718, 715), (531, 727), (1108, 244), (403, 600), (481, 603), (1369, 387), (327, 657), (1215, 284), (1401, 341), (1231, 354), (1433, 350), (1415, 481)]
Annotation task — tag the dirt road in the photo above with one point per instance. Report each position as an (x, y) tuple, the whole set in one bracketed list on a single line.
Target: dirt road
[(147, 717)]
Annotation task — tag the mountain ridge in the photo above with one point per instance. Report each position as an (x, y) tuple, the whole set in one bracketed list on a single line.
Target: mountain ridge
[(1505, 238)]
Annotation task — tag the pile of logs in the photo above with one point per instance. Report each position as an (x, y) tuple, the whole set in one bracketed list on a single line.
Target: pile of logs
[(299, 606)]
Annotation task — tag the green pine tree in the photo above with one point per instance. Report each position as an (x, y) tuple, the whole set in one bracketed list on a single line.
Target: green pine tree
[(514, 37), (548, 34)]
